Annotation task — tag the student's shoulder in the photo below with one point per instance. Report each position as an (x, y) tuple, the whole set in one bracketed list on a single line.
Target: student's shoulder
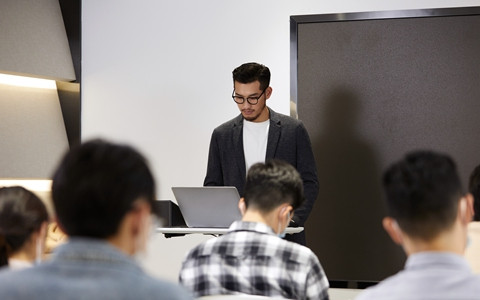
[(8, 274), (12, 281), (162, 289), (475, 283), (299, 253), (392, 287), (206, 248)]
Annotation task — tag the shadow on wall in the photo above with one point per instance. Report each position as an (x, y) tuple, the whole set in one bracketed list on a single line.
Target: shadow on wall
[(345, 229)]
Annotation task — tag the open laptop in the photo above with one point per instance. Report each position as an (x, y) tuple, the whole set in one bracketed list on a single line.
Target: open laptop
[(208, 206)]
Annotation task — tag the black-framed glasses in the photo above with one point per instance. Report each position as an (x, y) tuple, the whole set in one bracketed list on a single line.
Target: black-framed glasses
[(250, 99)]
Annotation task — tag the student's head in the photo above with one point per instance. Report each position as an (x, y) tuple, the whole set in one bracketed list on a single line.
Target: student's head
[(250, 72), (272, 184), (474, 188), (23, 221), (98, 184), (423, 194)]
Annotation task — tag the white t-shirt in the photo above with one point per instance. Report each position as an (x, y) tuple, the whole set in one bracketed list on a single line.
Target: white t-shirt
[(255, 138)]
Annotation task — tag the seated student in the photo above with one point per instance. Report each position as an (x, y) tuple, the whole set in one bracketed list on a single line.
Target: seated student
[(23, 227), (103, 194), (472, 253), (252, 258), (428, 214)]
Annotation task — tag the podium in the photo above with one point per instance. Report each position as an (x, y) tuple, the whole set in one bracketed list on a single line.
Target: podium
[(178, 231), (174, 224)]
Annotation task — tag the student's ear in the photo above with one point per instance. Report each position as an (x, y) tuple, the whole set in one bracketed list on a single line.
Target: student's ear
[(241, 206), (43, 231), (285, 211), (393, 230), (465, 209), (140, 225), (139, 216), (135, 221)]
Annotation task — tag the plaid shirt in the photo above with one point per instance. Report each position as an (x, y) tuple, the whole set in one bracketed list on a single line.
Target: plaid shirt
[(251, 259)]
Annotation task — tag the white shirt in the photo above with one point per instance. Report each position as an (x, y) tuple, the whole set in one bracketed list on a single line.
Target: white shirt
[(255, 138)]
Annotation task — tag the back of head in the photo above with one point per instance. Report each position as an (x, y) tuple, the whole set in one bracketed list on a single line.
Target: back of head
[(474, 189), (271, 184), (422, 191), (96, 185), (250, 72), (21, 214)]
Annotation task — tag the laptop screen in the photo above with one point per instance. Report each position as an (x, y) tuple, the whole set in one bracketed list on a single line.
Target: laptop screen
[(209, 206)]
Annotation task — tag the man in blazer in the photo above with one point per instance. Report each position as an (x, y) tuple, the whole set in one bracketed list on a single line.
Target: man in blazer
[(259, 134)]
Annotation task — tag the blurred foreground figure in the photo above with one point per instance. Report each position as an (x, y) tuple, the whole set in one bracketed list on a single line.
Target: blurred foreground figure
[(103, 195), (428, 215), (23, 227), (472, 253)]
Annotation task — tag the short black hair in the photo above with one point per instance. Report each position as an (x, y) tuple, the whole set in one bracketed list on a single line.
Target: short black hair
[(21, 214), (251, 72), (96, 185), (422, 193), (271, 184), (474, 189)]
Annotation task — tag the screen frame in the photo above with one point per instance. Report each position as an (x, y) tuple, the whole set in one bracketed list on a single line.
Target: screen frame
[(297, 20)]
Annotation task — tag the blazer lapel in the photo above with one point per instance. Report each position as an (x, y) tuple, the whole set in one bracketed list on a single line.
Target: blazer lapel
[(273, 135), (239, 156)]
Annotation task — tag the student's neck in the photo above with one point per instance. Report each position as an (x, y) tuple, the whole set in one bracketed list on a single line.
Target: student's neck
[(23, 256), (123, 239), (258, 217), (450, 241), (122, 244), (27, 252)]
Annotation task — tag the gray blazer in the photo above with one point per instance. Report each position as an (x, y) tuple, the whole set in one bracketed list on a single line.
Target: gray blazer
[(288, 140)]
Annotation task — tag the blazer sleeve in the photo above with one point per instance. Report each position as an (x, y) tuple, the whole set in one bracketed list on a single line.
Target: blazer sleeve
[(307, 168), (214, 175)]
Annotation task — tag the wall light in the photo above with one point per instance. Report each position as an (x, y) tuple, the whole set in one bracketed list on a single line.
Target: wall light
[(34, 45), (23, 81)]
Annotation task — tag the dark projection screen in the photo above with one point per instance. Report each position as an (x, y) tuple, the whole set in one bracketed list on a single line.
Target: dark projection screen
[(369, 88)]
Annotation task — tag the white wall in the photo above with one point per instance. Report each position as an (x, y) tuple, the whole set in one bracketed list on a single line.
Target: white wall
[(157, 74)]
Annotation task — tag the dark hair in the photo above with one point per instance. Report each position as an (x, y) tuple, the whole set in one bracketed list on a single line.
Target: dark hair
[(474, 189), (21, 214), (95, 186), (423, 190), (250, 72), (271, 184)]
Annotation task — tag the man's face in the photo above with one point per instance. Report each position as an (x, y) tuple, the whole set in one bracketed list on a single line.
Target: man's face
[(253, 112)]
